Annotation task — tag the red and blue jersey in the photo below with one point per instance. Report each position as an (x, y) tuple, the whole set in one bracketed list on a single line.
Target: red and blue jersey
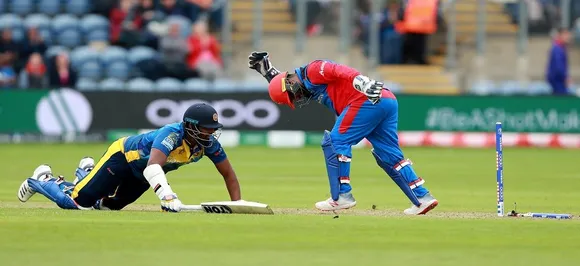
[(331, 84)]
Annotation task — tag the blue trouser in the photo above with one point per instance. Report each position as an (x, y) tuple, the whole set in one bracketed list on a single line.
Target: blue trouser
[(111, 183), (57, 190), (378, 124)]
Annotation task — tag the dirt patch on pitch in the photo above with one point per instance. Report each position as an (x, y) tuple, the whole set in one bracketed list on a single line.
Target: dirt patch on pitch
[(288, 211), (352, 212), (383, 213)]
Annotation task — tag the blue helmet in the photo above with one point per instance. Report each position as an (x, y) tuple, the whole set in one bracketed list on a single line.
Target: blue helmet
[(200, 121)]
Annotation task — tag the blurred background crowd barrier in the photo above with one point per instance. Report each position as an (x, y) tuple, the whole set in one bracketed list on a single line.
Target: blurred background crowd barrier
[(57, 56)]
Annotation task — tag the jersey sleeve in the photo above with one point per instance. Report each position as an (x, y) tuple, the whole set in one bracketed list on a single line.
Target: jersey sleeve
[(215, 152), (324, 72), (166, 140)]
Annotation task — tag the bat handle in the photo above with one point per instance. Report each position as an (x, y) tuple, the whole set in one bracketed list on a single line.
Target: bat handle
[(191, 207)]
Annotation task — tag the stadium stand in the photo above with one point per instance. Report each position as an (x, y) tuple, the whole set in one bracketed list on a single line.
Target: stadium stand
[(73, 28), (119, 41)]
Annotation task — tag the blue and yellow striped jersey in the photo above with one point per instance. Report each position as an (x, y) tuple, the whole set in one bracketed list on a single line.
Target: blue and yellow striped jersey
[(168, 139)]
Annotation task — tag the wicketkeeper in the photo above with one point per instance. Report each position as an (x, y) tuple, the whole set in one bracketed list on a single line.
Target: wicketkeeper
[(364, 109), (132, 165)]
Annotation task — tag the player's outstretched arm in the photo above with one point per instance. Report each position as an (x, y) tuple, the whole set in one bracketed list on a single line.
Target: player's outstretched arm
[(227, 171), (158, 181)]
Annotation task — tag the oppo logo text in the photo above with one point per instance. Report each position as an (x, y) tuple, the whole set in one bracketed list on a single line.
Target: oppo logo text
[(165, 111)]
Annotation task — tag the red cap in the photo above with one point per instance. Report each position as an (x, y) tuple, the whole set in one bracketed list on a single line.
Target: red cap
[(278, 92)]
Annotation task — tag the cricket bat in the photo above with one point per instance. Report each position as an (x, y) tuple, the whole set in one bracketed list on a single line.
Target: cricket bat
[(230, 207)]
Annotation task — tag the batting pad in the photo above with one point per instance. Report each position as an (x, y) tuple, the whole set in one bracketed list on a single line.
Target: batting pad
[(230, 207)]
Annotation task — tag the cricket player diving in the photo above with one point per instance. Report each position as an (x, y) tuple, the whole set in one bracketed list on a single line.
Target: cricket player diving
[(132, 165), (364, 109)]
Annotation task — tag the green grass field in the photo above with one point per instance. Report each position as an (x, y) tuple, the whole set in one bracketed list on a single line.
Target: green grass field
[(463, 230)]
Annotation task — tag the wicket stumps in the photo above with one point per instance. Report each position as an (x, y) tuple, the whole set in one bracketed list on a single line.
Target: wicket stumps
[(499, 168), (499, 180)]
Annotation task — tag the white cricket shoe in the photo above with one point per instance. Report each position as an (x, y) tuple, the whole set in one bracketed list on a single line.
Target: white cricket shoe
[(345, 201), (41, 173), (86, 164), (428, 203)]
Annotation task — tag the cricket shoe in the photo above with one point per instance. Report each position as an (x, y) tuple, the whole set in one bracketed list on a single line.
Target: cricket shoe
[(86, 165), (428, 202), (41, 173), (345, 201)]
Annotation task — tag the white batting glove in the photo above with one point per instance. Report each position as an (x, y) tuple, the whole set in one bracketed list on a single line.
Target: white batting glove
[(156, 178), (371, 88), (171, 203)]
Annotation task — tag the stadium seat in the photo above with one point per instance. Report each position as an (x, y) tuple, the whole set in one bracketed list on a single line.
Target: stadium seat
[(10, 21), (140, 84), (94, 22), (47, 36), (511, 87), (42, 23), (168, 84), (64, 22), (69, 38), (139, 53), (539, 88), (91, 70), (55, 50), (483, 87), (225, 85), (112, 84), (14, 23), (39, 21), (97, 36), (119, 70), (78, 7), (196, 85), (83, 54), (84, 84), (113, 54), (255, 84), (183, 22), (49, 7), (18, 34), (21, 7)]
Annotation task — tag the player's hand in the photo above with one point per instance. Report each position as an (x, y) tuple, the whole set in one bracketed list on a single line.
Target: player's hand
[(171, 203), (375, 91), (371, 88), (260, 61)]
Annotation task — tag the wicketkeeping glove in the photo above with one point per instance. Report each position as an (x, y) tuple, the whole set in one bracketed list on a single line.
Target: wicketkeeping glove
[(171, 203), (260, 61), (371, 88)]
